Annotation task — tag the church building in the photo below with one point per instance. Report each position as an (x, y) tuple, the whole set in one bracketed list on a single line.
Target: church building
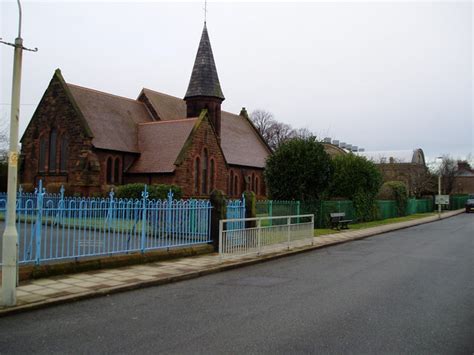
[(90, 140)]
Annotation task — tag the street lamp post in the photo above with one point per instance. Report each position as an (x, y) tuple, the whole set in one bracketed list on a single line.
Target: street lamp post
[(10, 235), (439, 187)]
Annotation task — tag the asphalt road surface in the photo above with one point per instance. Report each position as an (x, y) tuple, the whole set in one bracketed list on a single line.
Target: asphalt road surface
[(410, 291)]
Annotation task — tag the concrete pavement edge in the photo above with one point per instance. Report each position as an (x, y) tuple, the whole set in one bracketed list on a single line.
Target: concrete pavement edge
[(357, 235)]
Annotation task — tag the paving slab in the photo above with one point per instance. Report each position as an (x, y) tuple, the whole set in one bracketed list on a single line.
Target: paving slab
[(46, 292)]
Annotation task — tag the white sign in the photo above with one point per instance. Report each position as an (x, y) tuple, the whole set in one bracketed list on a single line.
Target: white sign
[(442, 199)]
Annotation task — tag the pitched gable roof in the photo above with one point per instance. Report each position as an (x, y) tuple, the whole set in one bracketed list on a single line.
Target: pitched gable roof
[(112, 119), (166, 106), (240, 141), (160, 144)]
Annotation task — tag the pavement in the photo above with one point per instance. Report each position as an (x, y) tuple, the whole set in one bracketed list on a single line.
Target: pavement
[(55, 290)]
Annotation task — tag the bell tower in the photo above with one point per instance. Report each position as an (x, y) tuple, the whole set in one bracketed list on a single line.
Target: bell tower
[(204, 90)]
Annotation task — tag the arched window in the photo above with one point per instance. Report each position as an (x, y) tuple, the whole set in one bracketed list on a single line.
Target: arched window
[(52, 149), (109, 171), (252, 182), (117, 171), (64, 154), (256, 185), (42, 155), (211, 174), (197, 171), (236, 185), (205, 163)]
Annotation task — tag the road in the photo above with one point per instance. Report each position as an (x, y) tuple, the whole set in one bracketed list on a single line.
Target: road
[(410, 291)]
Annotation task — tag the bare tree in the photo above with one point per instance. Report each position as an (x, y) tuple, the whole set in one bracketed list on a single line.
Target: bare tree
[(279, 133), (4, 140), (273, 132), (448, 169), (422, 183), (303, 133), (263, 121)]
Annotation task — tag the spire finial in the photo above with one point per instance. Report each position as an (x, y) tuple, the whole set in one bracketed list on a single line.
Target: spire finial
[(205, 11)]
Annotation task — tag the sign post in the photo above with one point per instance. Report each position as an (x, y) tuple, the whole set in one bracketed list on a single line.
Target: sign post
[(441, 200)]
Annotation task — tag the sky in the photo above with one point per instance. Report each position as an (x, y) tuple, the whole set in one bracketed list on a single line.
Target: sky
[(376, 74)]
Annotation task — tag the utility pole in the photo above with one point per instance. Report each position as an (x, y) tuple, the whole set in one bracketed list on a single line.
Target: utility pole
[(10, 236)]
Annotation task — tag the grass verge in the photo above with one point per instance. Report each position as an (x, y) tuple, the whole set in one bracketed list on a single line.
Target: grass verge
[(357, 226)]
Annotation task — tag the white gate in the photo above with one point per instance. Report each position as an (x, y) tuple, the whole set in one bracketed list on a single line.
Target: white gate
[(263, 234)]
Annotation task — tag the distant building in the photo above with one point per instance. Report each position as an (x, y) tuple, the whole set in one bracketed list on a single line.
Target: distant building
[(90, 139), (408, 166), (464, 179), (333, 150)]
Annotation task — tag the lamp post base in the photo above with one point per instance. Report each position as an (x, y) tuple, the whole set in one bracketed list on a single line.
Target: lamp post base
[(9, 267)]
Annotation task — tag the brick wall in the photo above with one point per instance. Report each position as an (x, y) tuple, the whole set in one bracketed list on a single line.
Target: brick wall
[(55, 111), (463, 185)]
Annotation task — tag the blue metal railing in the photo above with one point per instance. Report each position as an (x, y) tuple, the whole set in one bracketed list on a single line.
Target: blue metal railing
[(55, 227), (236, 210)]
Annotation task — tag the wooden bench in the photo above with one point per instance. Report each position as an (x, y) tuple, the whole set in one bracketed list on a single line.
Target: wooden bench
[(338, 220)]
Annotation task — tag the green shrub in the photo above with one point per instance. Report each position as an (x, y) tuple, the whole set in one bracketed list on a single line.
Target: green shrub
[(359, 180), (55, 188), (160, 192), (396, 190), (364, 206), (155, 192), (299, 169), (28, 188)]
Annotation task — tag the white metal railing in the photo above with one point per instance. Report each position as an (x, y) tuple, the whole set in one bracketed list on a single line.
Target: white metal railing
[(263, 233)]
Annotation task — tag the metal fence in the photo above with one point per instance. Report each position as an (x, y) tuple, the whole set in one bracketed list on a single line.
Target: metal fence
[(457, 201), (322, 209), (236, 210), (259, 235), (71, 228)]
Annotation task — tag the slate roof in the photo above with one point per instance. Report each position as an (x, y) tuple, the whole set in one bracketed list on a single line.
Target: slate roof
[(160, 144), (204, 79), (166, 106), (112, 119), (240, 142)]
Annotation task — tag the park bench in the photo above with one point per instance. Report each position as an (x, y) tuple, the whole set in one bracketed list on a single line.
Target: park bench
[(339, 221)]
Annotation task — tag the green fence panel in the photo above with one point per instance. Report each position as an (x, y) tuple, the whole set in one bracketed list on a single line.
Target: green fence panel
[(412, 205), (457, 201), (424, 206), (322, 209), (386, 209), (327, 207)]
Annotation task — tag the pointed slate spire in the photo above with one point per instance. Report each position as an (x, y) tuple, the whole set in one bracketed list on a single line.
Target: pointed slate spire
[(204, 79)]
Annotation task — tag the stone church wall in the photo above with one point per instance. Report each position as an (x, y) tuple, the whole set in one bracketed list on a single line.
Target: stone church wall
[(55, 111)]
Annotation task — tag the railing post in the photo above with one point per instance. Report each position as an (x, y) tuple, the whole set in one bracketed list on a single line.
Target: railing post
[(312, 229), (111, 207), (298, 210), (259, 235), (144, 223), (288, 221), (168, 212), (19, 198), (270, 211), (61, 193), (40, 191), (221, 231)]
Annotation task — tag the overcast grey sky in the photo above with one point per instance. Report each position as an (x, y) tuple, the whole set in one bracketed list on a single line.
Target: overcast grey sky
[(379, 75)]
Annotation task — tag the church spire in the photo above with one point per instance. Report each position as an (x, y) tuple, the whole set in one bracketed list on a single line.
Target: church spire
[(204, 90), (204, 79)]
